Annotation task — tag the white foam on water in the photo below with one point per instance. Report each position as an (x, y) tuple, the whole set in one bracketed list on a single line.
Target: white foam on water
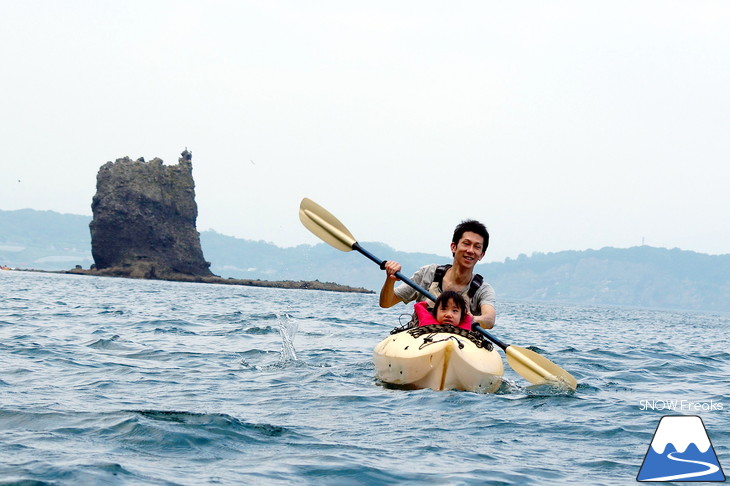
[(288, 327)]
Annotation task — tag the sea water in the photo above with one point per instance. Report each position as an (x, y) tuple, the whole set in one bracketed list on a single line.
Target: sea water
[(116, 381)]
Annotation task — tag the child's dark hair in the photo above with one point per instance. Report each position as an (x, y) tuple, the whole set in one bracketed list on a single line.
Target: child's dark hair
[(445, 297)]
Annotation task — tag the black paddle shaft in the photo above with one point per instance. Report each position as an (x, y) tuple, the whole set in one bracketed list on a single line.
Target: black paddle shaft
[(381, 263)]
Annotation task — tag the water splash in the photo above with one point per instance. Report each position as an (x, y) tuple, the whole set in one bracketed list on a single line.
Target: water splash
[(287, 328)]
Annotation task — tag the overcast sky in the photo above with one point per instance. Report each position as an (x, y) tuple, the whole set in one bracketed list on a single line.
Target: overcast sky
[(560, 125)]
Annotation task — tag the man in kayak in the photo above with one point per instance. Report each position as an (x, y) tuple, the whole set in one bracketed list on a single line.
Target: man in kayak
[(468, 246)]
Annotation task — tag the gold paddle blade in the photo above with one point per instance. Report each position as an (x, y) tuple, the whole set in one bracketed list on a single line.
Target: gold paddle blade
[(537, 369), (325, 226)]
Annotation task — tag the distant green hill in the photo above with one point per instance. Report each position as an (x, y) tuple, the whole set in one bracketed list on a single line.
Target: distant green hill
[(44, 240), (233, 257), (641, 276)]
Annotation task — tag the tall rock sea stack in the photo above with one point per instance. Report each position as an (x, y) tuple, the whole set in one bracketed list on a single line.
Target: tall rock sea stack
[(144, 220)]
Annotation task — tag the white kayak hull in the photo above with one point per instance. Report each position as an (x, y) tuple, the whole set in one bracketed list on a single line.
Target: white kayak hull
[(440, 358)]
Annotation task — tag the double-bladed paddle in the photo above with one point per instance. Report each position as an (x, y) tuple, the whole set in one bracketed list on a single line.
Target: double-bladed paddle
[(532, 366)]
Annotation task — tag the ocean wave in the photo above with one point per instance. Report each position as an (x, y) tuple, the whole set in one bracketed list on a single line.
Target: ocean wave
[(111, 343), (191, 384)]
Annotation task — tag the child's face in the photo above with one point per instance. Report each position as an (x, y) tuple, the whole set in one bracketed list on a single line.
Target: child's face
[(448, 313)]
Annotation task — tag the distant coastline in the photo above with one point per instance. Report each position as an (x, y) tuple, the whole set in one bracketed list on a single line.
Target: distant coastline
[(279, 284), (642, 276)]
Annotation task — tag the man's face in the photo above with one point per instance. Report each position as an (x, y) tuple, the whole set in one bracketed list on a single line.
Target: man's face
[(469, 250)]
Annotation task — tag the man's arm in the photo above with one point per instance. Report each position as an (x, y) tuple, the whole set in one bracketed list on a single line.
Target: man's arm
[(486, 320), (387, 293)]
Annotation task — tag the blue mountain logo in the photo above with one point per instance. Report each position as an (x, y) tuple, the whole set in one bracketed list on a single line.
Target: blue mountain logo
[(681, 451)]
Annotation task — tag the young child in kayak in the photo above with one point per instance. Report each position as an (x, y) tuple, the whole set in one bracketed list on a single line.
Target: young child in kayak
[(450, 308)]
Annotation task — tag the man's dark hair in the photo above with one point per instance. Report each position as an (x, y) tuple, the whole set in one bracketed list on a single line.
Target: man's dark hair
[(473, 226)]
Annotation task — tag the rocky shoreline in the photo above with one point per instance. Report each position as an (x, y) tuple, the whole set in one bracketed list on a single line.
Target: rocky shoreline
[(143, 227), (278, 284)]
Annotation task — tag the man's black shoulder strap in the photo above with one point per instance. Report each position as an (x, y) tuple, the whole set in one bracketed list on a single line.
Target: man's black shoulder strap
[(476, 281), (438, 276)]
